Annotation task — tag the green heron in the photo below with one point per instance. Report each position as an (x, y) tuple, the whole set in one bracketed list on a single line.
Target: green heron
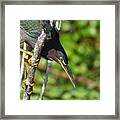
[(52, 49)]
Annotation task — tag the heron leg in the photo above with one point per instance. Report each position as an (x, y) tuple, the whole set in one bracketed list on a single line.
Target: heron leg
[(26, 52), (27, 59), (26, 63), (45, 80)]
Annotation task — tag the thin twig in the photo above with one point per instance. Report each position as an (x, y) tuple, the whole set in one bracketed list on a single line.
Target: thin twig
[(22, 63), (45, 80)]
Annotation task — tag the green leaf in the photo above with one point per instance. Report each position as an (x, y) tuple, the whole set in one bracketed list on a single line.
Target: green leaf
[(65, 26)]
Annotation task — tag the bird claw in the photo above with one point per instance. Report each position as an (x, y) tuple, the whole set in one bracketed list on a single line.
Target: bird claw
[(25, 84), (26, 58), (29, 93), (35, 65), (29, 61)]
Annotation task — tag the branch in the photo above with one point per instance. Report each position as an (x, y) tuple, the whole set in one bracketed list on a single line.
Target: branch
[(36, 56)]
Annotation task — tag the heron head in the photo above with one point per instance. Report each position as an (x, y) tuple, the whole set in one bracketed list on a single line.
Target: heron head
[(61, 58)]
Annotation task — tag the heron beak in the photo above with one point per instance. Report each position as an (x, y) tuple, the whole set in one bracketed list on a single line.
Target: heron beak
[(67, 70)]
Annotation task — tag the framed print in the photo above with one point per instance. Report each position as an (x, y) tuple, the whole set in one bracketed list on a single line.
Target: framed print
[(59, 59)]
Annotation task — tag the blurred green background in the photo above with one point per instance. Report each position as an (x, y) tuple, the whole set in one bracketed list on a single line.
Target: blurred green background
[(81, 41)]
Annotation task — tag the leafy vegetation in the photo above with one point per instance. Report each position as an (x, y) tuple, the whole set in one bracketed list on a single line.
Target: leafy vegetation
[(81, 40)]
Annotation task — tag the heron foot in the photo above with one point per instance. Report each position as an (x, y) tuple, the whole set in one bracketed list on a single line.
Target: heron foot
[(25, 83), (29, 93), (35, 65)]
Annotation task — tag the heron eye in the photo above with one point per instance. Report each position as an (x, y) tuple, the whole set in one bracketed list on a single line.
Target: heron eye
[(61, 58)]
